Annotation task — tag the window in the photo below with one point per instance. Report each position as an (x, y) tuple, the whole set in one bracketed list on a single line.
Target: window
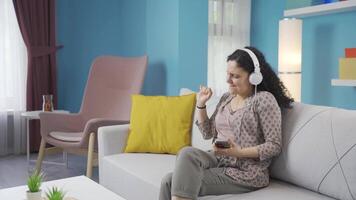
[(13, 68), (229, 29)]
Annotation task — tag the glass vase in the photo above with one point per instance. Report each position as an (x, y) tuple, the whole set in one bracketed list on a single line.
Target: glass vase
[(47, 105)]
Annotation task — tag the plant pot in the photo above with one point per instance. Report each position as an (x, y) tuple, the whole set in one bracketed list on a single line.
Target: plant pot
[(34, 195)]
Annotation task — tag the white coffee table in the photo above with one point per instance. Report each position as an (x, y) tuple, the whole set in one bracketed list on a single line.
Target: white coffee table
[(79, 187), (30, 115)]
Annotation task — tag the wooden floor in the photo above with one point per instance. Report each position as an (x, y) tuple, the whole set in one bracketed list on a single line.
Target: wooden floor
[(14, 169)]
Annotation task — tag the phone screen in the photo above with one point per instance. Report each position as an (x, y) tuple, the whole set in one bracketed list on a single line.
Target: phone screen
[(222, 144)]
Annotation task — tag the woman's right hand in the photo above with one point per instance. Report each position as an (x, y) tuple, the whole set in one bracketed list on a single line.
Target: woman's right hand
[(204, 95)]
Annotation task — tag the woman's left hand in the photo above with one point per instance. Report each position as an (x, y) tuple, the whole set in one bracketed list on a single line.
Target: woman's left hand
[(233, 151)]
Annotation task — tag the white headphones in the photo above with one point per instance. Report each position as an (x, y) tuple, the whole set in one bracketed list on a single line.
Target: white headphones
[(256, 76)]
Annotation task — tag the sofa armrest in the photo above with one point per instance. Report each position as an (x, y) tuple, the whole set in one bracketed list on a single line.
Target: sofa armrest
[(94, 124), (112, 139)]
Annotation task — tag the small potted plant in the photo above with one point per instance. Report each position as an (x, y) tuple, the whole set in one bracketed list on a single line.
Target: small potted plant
[(34, 182), (55, 194)]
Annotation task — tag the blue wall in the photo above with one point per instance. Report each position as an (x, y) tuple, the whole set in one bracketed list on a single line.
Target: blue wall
[(265, 16), (131, 19), (193, 43), (171, 32), (88, 29), (324, 40), (162, 46), (176, 45)]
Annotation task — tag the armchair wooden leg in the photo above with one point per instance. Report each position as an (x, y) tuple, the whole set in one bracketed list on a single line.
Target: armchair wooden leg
[(90, 155), (41, 154)]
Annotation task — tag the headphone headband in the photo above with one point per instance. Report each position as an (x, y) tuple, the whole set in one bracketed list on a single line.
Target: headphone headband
[(252, 55), (255, 77)]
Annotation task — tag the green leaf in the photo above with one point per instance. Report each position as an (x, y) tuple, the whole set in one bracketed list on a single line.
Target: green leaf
[(34, 181), (55, 194)]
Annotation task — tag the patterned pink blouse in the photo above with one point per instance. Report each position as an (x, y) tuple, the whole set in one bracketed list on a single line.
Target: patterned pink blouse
[(256, 124)]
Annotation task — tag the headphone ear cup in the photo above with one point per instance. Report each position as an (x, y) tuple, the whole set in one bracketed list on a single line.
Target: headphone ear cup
[(255, 78)]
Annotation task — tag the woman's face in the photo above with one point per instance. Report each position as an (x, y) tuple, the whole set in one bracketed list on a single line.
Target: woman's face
[(237, 78)]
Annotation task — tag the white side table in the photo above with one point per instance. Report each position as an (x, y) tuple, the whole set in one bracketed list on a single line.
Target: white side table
[(35, 115)]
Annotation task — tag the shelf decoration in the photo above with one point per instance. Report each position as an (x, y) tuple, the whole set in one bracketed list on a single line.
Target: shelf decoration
[(347, 65), (293, 4), (350, 52), (329, 1)]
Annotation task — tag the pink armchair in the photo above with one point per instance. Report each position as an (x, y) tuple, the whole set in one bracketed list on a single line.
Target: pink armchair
[(107, 101)]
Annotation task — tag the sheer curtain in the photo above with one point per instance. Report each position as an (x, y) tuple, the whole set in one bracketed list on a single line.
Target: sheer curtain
[(13, 64), (229, 29)]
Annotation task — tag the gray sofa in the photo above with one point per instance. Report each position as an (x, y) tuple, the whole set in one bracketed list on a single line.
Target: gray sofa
[(318, 160)]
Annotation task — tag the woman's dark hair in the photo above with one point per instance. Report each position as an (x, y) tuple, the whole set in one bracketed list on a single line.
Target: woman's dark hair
[(270, 82)]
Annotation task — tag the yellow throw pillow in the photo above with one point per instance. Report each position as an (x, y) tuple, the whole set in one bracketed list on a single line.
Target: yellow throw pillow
[(160, 124)]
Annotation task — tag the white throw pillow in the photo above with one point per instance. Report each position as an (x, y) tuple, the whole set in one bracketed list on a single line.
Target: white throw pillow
[(197, 138)]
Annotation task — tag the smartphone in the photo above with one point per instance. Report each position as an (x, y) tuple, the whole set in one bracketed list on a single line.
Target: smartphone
[(222, 144)]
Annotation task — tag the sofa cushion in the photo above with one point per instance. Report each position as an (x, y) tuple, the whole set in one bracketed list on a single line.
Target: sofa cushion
[(318, 150), (278, 190), (197, 138), (160, 124), (125, 173), (144, 171)]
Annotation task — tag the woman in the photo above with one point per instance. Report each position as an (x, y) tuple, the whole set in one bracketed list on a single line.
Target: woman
[(249, 118)]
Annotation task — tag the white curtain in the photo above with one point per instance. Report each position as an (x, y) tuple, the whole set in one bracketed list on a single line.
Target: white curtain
[(13, 69), (229, 29)]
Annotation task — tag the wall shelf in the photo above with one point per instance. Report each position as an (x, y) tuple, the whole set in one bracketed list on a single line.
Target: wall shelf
[(340, 82), (323, 9)]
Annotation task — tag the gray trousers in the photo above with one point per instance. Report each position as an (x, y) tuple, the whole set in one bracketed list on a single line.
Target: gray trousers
[(196, 174)]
